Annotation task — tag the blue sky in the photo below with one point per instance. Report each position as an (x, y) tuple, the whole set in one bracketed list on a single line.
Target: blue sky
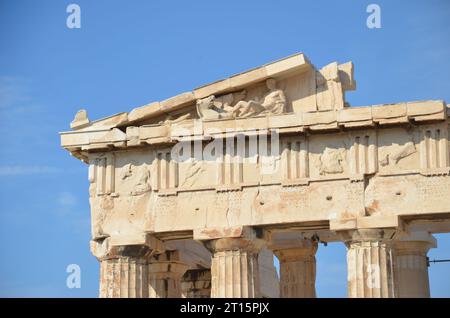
[(127, 54)]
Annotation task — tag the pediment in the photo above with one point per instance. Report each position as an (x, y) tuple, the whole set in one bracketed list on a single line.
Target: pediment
[(296, 86), (289, 95)]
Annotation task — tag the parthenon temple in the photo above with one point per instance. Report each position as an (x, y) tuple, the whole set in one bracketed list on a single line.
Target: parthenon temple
[(194, 195)]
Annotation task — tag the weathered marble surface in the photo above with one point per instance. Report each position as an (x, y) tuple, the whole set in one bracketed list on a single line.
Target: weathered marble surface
[(274, 151)]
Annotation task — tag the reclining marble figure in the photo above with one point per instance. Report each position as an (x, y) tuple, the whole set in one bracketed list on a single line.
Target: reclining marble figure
[(273, 103)]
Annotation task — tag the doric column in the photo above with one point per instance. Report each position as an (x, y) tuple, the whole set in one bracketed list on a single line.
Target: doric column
[(123, 272), (370, 263), (123, 277), (412, 267), (124, 265), (164, 275), (234, 267), (196, 283), (297, 269)]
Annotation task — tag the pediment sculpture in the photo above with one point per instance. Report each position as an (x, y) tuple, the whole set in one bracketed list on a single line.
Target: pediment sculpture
[(235, 105)]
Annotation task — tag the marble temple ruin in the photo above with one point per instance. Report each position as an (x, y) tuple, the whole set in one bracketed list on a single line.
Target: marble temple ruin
[(194, 195)]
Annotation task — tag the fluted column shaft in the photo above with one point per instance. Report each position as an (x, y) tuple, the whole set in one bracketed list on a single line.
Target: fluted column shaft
[(412, 267), (234, 268), (370, 263), (298, 271), (123, 277), (123, 271)]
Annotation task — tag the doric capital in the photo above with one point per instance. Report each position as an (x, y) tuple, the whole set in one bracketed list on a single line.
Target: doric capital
[(231, 238), (234, 243), (111, 248), (296, 254), (356, 236), (416, 243), (368, 228), (291, 245)]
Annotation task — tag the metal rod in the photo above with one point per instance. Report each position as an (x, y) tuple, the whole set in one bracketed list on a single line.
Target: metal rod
[(439, 260), (436, 261)]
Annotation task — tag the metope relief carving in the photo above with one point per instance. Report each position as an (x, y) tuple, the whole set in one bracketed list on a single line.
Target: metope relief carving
[(331, 161), (194, 172), (235, 105), (127, 171), (144, 182), (397, 154), (139, 178)]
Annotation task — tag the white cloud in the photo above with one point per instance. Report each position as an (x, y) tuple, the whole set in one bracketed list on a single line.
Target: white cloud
[(67, 200), (67, 205), (10, 170), (13, 91)]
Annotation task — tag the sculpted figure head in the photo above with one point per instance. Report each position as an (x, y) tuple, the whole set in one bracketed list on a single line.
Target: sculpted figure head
[(271, 84), (206, 102)]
